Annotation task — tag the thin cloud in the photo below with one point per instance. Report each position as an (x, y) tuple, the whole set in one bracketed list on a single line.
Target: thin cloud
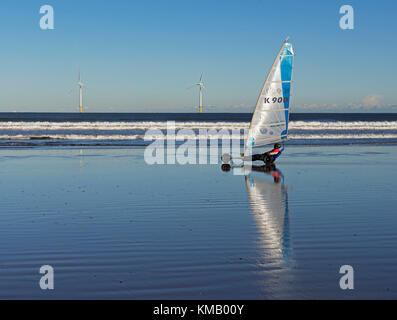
[(373, 100)]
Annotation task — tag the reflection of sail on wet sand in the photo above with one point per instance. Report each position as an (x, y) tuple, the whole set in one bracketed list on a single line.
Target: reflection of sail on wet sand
[(269, 203)]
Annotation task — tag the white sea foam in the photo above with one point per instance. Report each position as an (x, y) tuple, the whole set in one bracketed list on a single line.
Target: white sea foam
[(130, 131), (193, 137), (162, 125), (343, 125), (115, 137), (141, 125)]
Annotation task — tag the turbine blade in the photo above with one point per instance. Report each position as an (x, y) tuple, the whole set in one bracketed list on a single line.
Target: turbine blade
[(73, 89)]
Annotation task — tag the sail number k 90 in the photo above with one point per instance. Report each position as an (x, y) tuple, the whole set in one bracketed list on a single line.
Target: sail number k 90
[(275, 99)]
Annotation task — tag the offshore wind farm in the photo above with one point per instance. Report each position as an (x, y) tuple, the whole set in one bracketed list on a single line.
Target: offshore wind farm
[(80, 86)]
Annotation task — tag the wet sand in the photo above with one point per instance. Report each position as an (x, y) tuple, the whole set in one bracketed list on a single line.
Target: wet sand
[(114, 227)]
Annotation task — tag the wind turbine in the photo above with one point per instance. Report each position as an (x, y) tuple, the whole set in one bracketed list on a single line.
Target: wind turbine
[(201, 87), (80, 85)]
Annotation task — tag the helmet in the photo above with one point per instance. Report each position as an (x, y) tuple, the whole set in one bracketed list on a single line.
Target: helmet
[(277, 146)]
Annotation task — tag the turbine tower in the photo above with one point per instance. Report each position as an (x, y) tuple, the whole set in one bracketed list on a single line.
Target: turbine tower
[(201, 87), (80, 85)]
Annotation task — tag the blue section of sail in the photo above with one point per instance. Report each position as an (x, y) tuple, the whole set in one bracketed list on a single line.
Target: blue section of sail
[(251, 142), (286, 73), (287, 50), (286, 67)]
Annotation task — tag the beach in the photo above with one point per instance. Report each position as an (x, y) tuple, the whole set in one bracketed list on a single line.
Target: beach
[(114, 227)]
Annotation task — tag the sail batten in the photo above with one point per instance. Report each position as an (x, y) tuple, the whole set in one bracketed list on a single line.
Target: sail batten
[(271, 115)]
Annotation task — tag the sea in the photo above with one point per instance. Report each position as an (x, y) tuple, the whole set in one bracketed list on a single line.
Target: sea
[(129, 129)]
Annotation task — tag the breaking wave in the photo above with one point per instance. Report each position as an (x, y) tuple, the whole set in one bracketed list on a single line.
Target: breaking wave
[(133, 132), (161, 125), (150, 137)]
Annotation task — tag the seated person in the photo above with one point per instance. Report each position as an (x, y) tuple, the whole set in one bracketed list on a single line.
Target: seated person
[(267, 157)]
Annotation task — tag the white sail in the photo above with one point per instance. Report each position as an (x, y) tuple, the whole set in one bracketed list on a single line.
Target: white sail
[(269, 122)]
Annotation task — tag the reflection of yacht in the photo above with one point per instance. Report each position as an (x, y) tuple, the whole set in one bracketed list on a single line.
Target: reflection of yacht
[(269, 203)]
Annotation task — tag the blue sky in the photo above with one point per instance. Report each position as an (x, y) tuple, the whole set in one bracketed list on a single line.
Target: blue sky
[(142, 55)]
